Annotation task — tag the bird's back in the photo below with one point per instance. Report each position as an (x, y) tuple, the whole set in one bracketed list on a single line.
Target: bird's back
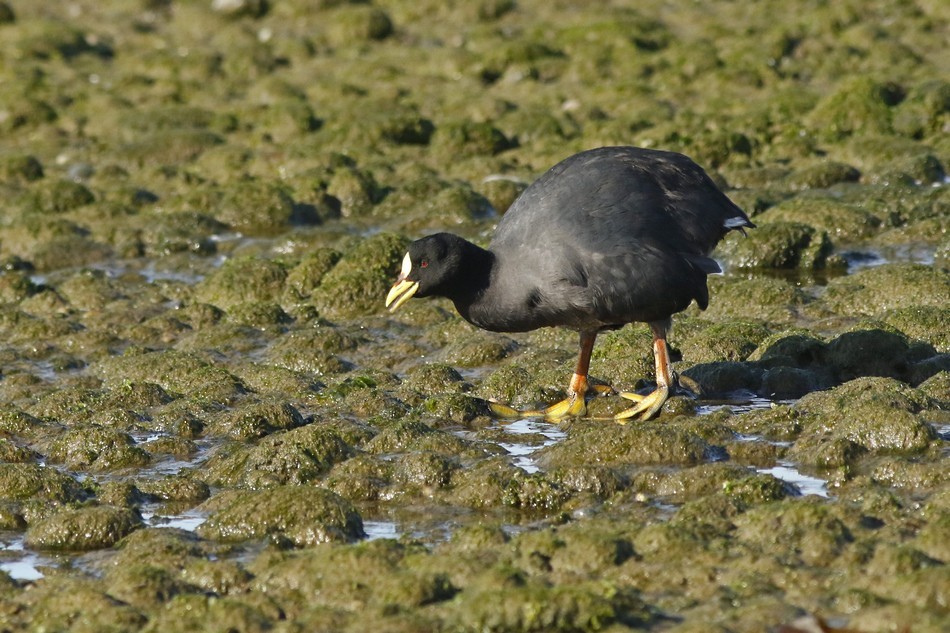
[(616, 234)]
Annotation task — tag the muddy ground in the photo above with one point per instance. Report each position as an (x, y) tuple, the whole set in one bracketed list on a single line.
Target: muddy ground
[(209, 422)]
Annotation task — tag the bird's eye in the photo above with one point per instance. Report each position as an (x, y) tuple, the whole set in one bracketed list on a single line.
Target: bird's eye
[(424, 263)]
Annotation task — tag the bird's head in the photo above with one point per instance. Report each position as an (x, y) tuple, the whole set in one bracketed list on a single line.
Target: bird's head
[(428, 268)]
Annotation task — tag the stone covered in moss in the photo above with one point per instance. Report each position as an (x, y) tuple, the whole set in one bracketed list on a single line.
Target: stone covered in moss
[(298, 456), (785, 245), (31, 481), (307, 275), (255, 420), (859, 105), (840, 220), (301, 515), (866, 415), (926, 323), (357, 285), (629, 444), (806, 529), (93, 527), (176, 372), (63, 602), (731, 341), (97, 449), (889, 287), (242, 280)]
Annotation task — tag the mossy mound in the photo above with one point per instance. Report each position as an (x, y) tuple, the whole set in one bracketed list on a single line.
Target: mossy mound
[(300, 515), (243, 280), (89, 528), (357, 285), (876, 290), (297, 457)]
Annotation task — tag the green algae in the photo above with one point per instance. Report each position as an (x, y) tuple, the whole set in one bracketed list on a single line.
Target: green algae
[(355, 286), (134, 143), (298, 515), (93, 527), (892, 286), (296, 457), (97, 449)]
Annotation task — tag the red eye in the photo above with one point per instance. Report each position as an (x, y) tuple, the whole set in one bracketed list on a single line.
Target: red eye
[(424, 263)]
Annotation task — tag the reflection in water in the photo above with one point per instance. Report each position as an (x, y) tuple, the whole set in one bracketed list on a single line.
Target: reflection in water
[(522, 452), (25, 564), (805, 484)]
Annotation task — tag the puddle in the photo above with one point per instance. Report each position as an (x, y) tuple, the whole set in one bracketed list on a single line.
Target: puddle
[(787, 472), (188, 520), (521, 453), (22, 563), (380, 529)]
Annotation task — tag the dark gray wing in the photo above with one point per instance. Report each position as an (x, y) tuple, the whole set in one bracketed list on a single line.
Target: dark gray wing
[(617, 234)]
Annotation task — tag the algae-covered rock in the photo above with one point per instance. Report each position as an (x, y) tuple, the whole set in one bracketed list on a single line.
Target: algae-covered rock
[(822, 175), (494, 483), (88, 528), (260, 315), (20, 168), (204, 613), (725, 377), (859, 105), (176, 372), (61, 603), (298, 456), (355, 190), (729, 341), (97, 448), (889, 287), (925, 108), (307, 275), (930, 323), (629, 444), (763, 298), (145, 586), (366, 577), (785, 245), (868, 352), (890, 160), (59, 196), (806, 529), (301, 515), (32, 481), (241, 280), (536, 606), (169, 147), (866, 415), (841, 220), (357, 285), (255, 420), (468, 138)]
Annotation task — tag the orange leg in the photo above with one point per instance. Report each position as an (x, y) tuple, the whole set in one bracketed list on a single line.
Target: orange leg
[(576, 402), (649, 406)]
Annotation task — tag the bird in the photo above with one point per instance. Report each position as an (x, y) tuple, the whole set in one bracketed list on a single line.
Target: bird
[(606, 237)]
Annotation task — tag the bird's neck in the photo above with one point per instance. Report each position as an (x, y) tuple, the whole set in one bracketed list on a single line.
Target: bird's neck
[(471, 285)]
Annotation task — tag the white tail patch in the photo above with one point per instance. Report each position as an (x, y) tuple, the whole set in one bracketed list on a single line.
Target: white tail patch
[(735, 223)]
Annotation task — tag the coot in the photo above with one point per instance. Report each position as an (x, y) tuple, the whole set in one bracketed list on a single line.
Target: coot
[(604, 238)]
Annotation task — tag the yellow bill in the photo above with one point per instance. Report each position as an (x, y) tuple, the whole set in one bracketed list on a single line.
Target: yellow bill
[(401, 292)]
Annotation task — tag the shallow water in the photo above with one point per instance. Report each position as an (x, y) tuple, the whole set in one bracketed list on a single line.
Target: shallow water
[(234, 207)]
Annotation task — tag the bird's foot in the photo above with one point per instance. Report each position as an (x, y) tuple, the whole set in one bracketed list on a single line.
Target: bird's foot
[(572, 406), (575, 405), (504, 411), (647, 406), (601, 390)]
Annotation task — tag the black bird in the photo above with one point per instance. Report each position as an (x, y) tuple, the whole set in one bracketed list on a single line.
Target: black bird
[(604, 238)]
